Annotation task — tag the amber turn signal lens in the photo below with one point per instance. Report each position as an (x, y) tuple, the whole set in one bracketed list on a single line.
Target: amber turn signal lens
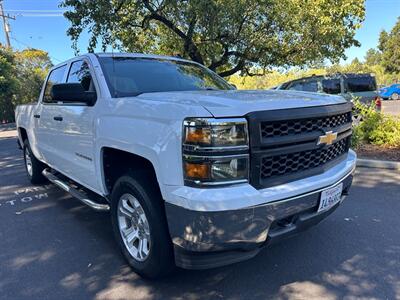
[(197, 171), (198, 136)]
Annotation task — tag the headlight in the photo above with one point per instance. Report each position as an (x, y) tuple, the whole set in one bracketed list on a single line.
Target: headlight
[(215, 151), (215, 133)]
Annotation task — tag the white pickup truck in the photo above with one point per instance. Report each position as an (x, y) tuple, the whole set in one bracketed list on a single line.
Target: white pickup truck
[(195, 173)]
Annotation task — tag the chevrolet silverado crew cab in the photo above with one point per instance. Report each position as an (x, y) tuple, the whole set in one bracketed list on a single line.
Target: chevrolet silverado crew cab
[(195, 173)]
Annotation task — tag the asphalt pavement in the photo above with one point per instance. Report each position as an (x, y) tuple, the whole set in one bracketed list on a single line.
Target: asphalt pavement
[(52, 247)]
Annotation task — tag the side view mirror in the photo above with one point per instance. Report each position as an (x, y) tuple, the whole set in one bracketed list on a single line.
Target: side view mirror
[(72, 93)]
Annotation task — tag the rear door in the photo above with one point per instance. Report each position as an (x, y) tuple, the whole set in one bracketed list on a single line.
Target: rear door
[(76, 135)]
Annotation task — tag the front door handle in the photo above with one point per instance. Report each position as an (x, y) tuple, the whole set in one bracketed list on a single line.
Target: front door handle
[(58, 118), (36, 116)]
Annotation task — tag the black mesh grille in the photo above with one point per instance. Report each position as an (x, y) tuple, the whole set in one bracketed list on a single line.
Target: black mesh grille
[(300, 161), (294, 127)]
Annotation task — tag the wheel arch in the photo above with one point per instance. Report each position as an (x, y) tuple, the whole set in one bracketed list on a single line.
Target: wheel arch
[(22, 134), (116, 162)]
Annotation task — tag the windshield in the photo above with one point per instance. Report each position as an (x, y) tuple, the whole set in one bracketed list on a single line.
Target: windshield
[(131, 76)]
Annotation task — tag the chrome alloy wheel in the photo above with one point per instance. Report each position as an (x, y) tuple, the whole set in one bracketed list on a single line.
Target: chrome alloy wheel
[(134, 227), (28, 161)]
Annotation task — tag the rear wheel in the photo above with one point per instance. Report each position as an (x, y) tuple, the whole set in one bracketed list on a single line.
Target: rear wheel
[(33, 166), (395, 96), (140, 226)]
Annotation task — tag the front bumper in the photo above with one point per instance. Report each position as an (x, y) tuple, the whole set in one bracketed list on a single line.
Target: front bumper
[(205, 239)]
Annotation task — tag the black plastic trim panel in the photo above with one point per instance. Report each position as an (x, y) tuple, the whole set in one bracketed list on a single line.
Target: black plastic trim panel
[(261, 147)]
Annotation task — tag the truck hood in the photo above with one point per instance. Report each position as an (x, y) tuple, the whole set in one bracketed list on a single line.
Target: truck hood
[(240, 102)]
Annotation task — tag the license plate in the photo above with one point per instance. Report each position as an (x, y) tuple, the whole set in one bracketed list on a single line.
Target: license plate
[(330, 197)]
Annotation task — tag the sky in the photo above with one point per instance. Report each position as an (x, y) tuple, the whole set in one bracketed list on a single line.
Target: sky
[(40, 24)]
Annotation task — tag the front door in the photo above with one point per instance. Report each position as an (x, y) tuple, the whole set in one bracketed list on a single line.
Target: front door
[(76, 156)]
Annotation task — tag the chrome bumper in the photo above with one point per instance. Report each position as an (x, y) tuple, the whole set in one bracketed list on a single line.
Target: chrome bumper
[(211, 239)]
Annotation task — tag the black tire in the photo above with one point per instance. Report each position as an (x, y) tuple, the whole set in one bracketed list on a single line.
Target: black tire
[(160, 260), (35, 174), (395, 96)]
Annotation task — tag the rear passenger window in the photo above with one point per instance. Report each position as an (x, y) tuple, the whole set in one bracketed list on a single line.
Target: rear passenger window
[(56, 76), (80, 73), (331, 86)]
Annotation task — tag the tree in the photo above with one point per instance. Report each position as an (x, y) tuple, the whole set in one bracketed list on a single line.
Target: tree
[(225, 35), (8, 84), (373, 57), (389, 44), (21, 78), (383, 37), (32, 66)]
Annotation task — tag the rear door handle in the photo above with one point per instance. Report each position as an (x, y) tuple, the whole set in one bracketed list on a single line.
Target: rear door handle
[(36, 116), (58, 118)]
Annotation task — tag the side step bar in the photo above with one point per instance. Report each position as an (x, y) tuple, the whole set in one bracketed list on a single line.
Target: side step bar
[(74, 192)]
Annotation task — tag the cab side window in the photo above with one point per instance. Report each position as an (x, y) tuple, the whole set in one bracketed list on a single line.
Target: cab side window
[(296, 86), (305, 86), (55, 76), (80, 73), (331, 86)]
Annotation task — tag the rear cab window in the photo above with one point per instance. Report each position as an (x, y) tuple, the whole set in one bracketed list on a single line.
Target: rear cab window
[(55, 76), (360, 84)]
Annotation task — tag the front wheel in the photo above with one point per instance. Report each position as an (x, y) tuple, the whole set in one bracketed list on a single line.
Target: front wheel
[(33, 166), (140, 225), (395, 96)]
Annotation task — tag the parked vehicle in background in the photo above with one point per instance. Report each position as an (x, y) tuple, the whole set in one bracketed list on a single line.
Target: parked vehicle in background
[(391, 92), (348, 85), (194, 173)]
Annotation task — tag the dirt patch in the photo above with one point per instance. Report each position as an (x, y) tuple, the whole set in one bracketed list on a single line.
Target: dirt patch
[(378, 153)]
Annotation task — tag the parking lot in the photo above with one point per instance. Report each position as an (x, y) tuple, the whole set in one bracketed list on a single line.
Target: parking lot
[(52, 247)]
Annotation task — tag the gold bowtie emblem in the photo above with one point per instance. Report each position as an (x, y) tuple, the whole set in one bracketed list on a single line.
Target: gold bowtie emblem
[(328, 138)]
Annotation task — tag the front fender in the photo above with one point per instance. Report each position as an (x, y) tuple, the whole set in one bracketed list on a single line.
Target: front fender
[(154, 134)]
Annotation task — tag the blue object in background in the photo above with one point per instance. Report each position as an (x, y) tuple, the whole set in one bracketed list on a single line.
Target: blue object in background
[(390, 92)]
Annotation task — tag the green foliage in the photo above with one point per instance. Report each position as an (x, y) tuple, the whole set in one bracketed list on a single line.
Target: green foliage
[(272, 78), (21, 78), (8, 84), (275, 78), (383, 62), (387, 133), (357, 137), (32, 66), (375, 128), (373, 57), (389, 44), (225, 35)]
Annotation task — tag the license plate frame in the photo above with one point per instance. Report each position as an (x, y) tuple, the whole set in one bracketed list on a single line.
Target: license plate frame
[(330, 197)]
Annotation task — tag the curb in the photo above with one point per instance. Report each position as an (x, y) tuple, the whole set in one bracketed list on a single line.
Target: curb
[(8, 134), (379, 164), (7, 127)]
